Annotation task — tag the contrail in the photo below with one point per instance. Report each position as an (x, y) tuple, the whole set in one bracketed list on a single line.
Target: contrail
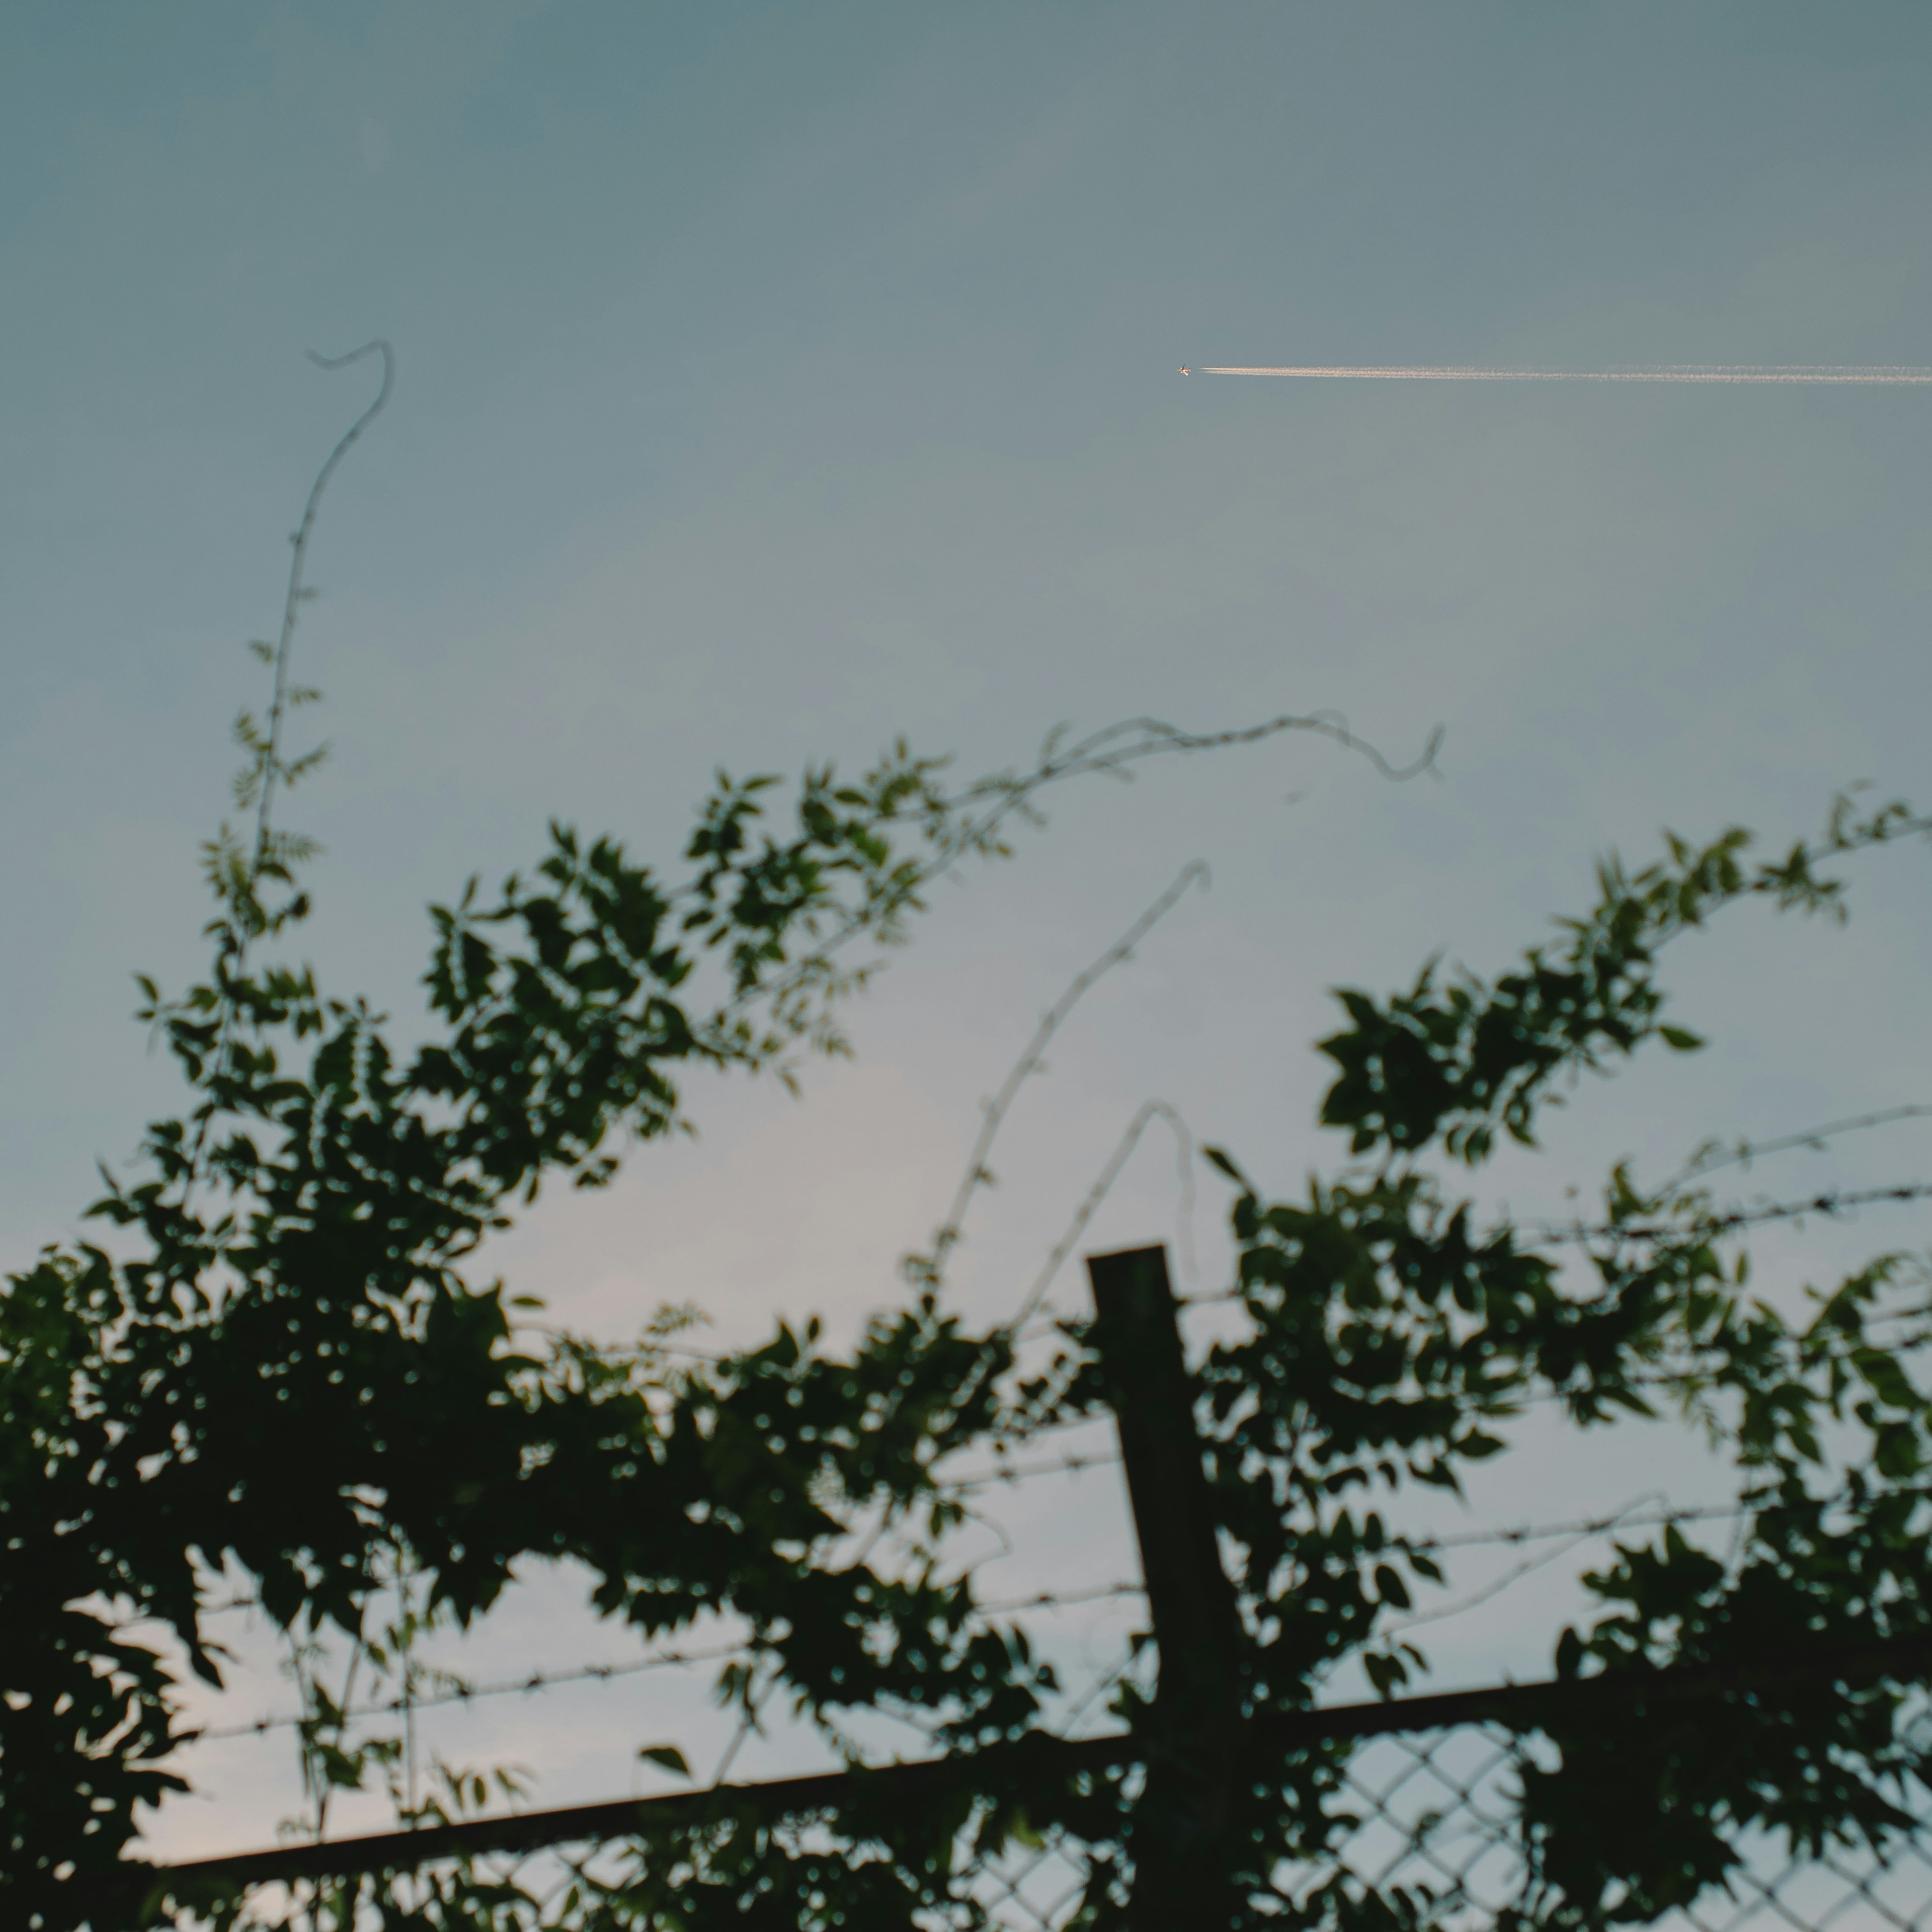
[(1686, 373)]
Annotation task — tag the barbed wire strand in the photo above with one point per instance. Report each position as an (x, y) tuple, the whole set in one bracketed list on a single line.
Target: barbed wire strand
[(550, 1677), (1516, 1572), (1027, 1472), (1831, 1202), (1741, 1153), (977, 1174), (1149, 1111)]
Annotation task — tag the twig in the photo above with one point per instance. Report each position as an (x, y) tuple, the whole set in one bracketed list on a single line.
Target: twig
[(1108, 751), (298, 591), (269, 766)]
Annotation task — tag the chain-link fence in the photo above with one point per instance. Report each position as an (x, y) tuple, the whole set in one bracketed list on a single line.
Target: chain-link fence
[(1437, 1816), (1417, 1805), (1435, 1826), (1427, 1819)]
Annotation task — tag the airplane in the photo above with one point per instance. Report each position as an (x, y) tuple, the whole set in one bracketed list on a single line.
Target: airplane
[(1187, 371)]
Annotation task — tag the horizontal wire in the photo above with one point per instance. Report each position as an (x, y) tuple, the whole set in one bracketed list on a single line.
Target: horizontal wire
[(1584, 1526), (1515, 1573), (538, 1680), (1826, 1204), (1700, 1227), (1061, 1599), (1625, 1518), (546, 1679), (1023, 1472), (1716, 1155), (1697, 1228)]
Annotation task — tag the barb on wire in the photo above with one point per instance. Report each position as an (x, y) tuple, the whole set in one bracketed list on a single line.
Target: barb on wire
[(927, 1268)]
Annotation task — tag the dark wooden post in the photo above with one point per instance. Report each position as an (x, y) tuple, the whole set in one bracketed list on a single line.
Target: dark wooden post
[(1180, 1843)]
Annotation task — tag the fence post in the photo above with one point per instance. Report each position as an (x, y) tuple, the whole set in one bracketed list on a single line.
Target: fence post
[(1181, 1834)]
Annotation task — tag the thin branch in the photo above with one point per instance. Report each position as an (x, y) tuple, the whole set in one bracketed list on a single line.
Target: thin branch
[(977, 814), (1114, 747), (298, 590), (244, 905)]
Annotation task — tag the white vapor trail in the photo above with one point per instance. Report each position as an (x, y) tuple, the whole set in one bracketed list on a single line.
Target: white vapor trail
[(1715, 373)]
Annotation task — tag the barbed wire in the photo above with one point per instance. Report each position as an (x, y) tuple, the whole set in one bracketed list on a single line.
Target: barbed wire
[(550, 1677), (1496, 1586), (1832, 1201), (1027, 1472), (1577, 1528), (1661, 1518), (1042, 1320), (1149, 1111), (929, 1267), (1714, 1155), (546, 1678), (1569, 1532)]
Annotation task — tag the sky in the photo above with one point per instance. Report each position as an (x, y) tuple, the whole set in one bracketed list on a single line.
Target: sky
[(774, 381)]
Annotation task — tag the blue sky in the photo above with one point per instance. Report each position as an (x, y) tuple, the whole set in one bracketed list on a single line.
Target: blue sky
[(775, 379)]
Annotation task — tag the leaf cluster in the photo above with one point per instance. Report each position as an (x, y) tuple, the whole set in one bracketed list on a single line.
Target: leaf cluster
[(284, 1365)]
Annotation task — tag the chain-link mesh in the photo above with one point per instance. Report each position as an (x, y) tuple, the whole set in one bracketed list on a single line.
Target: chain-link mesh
[(1430, 1816), (1435, 1814)]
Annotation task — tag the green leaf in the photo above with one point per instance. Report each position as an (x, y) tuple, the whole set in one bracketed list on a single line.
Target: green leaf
[(1215, 1157), (1390, 1587), (1569, 1653), (667, 1757)]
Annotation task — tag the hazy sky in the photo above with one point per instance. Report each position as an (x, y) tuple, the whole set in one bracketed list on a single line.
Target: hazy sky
[(776, 380)]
